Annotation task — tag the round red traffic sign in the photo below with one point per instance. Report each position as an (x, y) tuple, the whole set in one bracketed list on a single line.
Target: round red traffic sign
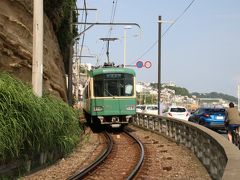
[(147, 64)]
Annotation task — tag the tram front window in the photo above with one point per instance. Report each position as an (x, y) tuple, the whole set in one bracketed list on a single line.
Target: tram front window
[(116, 84)]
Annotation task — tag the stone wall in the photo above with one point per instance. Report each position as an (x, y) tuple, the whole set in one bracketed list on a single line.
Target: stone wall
[(16, 36), (219, 157)]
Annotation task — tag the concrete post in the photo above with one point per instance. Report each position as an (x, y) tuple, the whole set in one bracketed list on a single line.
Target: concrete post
[(37, 62)]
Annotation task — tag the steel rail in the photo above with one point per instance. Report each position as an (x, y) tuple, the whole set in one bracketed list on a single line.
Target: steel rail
[(139, 164), (82, 173)]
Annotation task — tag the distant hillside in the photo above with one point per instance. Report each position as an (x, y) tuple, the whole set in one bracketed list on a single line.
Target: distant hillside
[(216, 95), (184, 92), (179, 90)]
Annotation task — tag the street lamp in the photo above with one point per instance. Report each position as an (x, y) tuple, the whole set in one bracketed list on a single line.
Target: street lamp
[(125, 44)]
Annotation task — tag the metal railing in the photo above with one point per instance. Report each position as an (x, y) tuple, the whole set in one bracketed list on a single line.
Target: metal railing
[(217, 154)]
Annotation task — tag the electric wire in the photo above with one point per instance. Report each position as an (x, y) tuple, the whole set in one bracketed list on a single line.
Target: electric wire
[(83, 38), (81, 26), (150, 48), (113, 12), (110, 29)]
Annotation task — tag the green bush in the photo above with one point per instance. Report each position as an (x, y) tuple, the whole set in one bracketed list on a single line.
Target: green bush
[(30, 124)]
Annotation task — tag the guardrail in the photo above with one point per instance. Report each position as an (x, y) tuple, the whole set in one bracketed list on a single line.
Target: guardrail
[(217, 154)]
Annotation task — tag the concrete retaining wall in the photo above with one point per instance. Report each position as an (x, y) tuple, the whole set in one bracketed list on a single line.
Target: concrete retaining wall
[(217, 154)]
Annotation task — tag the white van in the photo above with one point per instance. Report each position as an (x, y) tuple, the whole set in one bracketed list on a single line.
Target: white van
[(150, 109)]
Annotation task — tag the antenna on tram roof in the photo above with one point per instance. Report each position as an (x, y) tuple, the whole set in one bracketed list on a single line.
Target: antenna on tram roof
[(108, 40)]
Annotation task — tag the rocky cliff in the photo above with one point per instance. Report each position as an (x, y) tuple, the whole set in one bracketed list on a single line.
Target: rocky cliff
[(16, 36)]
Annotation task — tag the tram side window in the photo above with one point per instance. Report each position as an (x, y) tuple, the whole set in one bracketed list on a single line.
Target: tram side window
[(86, 92)]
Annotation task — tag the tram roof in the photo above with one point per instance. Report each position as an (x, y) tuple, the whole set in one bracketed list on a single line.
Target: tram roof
[(108, 70)]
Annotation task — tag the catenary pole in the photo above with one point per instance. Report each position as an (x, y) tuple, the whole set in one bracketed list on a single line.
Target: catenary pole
[(70, 64), (37, 61), (238, 90), (159, 62)]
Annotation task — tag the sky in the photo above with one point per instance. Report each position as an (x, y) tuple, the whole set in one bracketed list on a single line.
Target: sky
[(200, 51)]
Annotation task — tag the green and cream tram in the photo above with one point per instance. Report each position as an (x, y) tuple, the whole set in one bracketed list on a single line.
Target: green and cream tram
[(110, 96)]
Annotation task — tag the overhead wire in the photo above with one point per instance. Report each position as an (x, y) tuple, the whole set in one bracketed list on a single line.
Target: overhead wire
[(81, 26), (113, 12), (112, 17), (110, 29), (150, 48), (84, 28)]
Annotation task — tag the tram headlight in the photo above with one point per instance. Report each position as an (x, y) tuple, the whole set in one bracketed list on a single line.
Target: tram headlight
[(98, 108), (130, 108)]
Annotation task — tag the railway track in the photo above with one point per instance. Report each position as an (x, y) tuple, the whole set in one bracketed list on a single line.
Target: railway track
[(163, 159), (121, 159)]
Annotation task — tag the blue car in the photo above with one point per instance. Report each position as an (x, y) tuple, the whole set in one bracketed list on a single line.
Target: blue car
[(212, 118)]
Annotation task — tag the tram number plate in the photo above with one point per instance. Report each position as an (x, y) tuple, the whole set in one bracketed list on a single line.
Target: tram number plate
[(115, 125)]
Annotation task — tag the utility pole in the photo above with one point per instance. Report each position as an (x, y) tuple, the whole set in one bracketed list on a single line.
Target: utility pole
[(159, 62), (238, 97), (70, 64), (37, 61), (77, 70)]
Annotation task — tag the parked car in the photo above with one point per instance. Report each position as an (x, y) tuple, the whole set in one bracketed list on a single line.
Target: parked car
[(150, 109), (178, 112), (209, 117), (139, 108)]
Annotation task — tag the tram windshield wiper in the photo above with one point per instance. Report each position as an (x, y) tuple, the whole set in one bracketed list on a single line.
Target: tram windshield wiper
[(109, 93)]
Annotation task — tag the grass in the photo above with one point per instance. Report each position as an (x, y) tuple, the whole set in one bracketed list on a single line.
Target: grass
[(30, 125)]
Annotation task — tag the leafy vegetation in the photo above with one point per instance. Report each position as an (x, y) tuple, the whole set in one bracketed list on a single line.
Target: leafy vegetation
[(179, 90), (146, 98), (30, 125), (59, 12)]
